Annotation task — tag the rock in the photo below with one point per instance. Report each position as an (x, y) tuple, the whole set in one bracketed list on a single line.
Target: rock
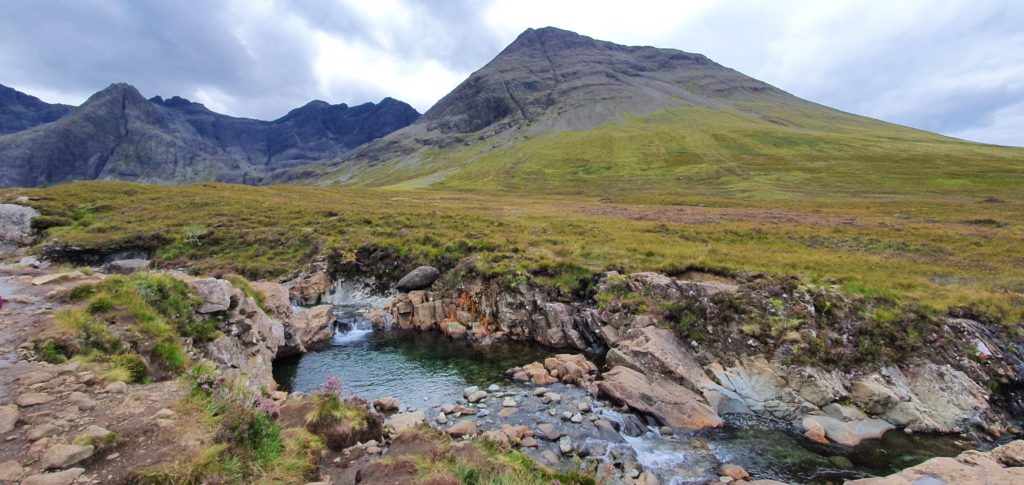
[(576, 418), (10, 471), (94, 434), (386, 404), (34, 378), (214, 293), (30, 261), (970, 468), (608, 432), (509, 402), (62, 456), (1010, 454), (54, 278), (15, 227), (814, 431), (549, 457), (65, 477), (441, 418), (872, 395), (477, 396), (550, 397), (548, 431), (647, 478), (82, 401), (311, 289), (528, 442), (418, 279), (8, 418), (565, 445), (845, 413), (540, 391), (40, 431), (164, 414), (671, 403), (404, 421), (655, 349), (583, 407), (119, 387), (126, 266), (306, 329), (734, 472), (462, 428), (534, 373), (494, 388), (275, 299), (33, 399)]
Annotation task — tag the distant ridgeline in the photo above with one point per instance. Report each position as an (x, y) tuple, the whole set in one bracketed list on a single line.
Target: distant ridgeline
[(555, 112)]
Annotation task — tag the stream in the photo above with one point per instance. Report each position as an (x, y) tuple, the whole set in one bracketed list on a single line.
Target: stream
[(427, 371)]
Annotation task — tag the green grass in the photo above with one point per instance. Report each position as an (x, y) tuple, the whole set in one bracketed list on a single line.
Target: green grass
[(915, 248), (124, 315)]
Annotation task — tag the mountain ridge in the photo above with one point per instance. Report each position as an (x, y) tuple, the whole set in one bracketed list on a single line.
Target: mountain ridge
[(119, 134)]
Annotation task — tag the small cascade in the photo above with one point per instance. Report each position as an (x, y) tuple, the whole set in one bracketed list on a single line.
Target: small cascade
[(351, 330)]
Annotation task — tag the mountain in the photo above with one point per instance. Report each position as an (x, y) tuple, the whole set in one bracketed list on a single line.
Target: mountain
[(119, 134), (19, 111), (561, 113)]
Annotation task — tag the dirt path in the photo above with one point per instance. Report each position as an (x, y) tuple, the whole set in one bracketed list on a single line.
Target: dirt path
[(58, 409)]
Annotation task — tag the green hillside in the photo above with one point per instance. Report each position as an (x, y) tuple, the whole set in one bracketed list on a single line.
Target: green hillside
[(772, 152)]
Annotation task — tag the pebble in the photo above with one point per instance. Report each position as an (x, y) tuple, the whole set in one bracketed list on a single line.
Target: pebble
[(583, 407), (576, 418), (540, 391), (441, 418), (509, 403), (566, 416), (552, 411), (493, 388), (118, 387)]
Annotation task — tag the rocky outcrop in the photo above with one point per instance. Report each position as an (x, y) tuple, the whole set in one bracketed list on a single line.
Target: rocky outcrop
[(306, 329), (311, 288), (1004, 464), (250, 338), (275, 299), (15, 227)]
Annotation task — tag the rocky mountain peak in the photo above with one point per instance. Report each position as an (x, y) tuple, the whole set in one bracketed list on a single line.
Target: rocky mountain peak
[(20, 111)]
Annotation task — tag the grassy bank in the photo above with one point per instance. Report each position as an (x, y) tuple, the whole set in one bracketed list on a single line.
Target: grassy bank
[(954, 250)]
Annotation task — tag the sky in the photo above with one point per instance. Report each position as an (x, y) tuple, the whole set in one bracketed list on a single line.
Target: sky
[(953, 67)]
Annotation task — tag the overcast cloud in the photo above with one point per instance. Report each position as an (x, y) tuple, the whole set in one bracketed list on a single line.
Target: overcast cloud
[(955, 67)]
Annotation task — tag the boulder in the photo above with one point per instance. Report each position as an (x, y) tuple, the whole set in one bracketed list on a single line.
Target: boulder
[(41, 431), (306, 329), (34, 377), (126, 266), (462, 428), (871, 394), (15, 227), (418, 279), (654, 349), (670, 403), (66, 477), (33, 399), (8, 418), (95, 434), (311, 289), (846, 433), (404, 421), (62, 456), (214, 293), (386, 404), (82, 401), (275, 299), (118, 387)]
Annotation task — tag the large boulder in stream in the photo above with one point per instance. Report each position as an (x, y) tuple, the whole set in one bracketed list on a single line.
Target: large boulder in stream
[(306, 329), (670, 403), (16, 227), (418, 279)]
